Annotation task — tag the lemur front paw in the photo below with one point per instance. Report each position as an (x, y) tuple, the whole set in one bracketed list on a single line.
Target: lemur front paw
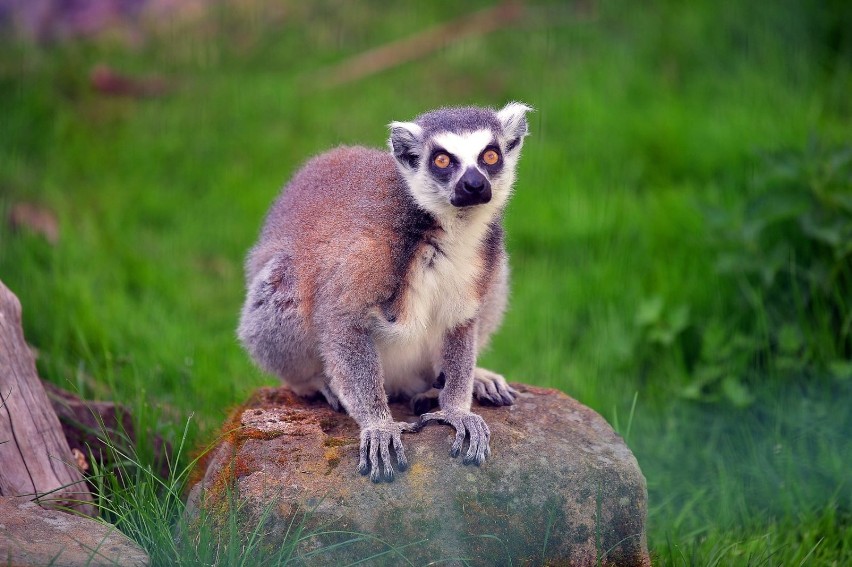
[(491, 388), (376, 442), (469, 423)]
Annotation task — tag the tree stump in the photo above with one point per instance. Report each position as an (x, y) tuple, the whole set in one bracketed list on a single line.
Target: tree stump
[(36, 462), (94, 429)]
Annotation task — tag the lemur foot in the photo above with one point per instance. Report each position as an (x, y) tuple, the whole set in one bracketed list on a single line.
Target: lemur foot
[(427, 401), (376, 442), (469, 423), (491, 388), (331, 398)]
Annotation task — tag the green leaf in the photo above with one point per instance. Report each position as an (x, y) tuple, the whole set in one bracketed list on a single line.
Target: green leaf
[(715, 343), (774, 207), (662, 336), (737, 392), (650, 311), (841, 369), (831, 234), (790, 339), (839, 160), (679, 319), (691, 391), (735, 263), (789, 363), (844, 200), (774, 262)]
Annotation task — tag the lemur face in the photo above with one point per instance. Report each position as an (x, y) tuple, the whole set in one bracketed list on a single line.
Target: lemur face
[(456, 158)]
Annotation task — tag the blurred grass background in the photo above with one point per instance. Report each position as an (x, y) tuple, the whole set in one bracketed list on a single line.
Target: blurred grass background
[(662, 272)]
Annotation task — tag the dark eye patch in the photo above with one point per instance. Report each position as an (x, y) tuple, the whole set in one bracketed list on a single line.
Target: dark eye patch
[(442, 174), (494, 168)]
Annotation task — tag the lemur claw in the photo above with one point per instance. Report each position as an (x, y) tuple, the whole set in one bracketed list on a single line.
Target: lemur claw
[(492, 389), (376, 442), (465, 423)]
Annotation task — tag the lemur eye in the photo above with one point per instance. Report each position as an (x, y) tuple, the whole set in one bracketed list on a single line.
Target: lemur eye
[(442, 161), (490, 157)]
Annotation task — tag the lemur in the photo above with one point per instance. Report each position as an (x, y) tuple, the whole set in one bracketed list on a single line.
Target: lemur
[(385, 273)]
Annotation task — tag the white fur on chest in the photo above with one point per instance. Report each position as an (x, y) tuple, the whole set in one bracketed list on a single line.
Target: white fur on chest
[(441, 294)]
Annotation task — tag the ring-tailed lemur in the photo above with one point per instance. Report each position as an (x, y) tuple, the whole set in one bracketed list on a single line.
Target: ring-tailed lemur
[(383, 274)]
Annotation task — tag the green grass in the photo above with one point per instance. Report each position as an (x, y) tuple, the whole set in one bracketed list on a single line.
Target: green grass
[(646, 119)]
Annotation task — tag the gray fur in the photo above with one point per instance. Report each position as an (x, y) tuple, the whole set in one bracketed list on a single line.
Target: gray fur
[(458, 120), (367, 282)]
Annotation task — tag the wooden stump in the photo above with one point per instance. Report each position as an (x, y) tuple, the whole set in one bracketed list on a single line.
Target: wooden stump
[(91, 427), (36, 462)]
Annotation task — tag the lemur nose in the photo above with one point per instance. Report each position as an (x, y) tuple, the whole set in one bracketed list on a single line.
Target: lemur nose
[(472, 188), (473, 182)]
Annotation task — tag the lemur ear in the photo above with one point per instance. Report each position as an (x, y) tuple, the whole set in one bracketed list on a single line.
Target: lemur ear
[(513, 117), (405, 142)]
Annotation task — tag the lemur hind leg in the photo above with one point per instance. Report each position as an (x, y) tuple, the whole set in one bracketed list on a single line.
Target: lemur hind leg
[(489, 388), (428, 400), (331, 398), (492, 389), (424, 402), (272, 331)]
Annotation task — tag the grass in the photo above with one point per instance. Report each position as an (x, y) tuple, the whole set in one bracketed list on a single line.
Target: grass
[(646, 119)]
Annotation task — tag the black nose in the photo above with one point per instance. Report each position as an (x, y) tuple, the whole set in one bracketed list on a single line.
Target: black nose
[(472, 189), (473, 182)]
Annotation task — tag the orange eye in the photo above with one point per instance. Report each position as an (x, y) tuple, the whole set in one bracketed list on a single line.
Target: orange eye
[(490, 157), (442, 161)]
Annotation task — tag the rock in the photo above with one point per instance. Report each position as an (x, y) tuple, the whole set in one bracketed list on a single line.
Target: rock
[(30, 535), (560, 488)]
